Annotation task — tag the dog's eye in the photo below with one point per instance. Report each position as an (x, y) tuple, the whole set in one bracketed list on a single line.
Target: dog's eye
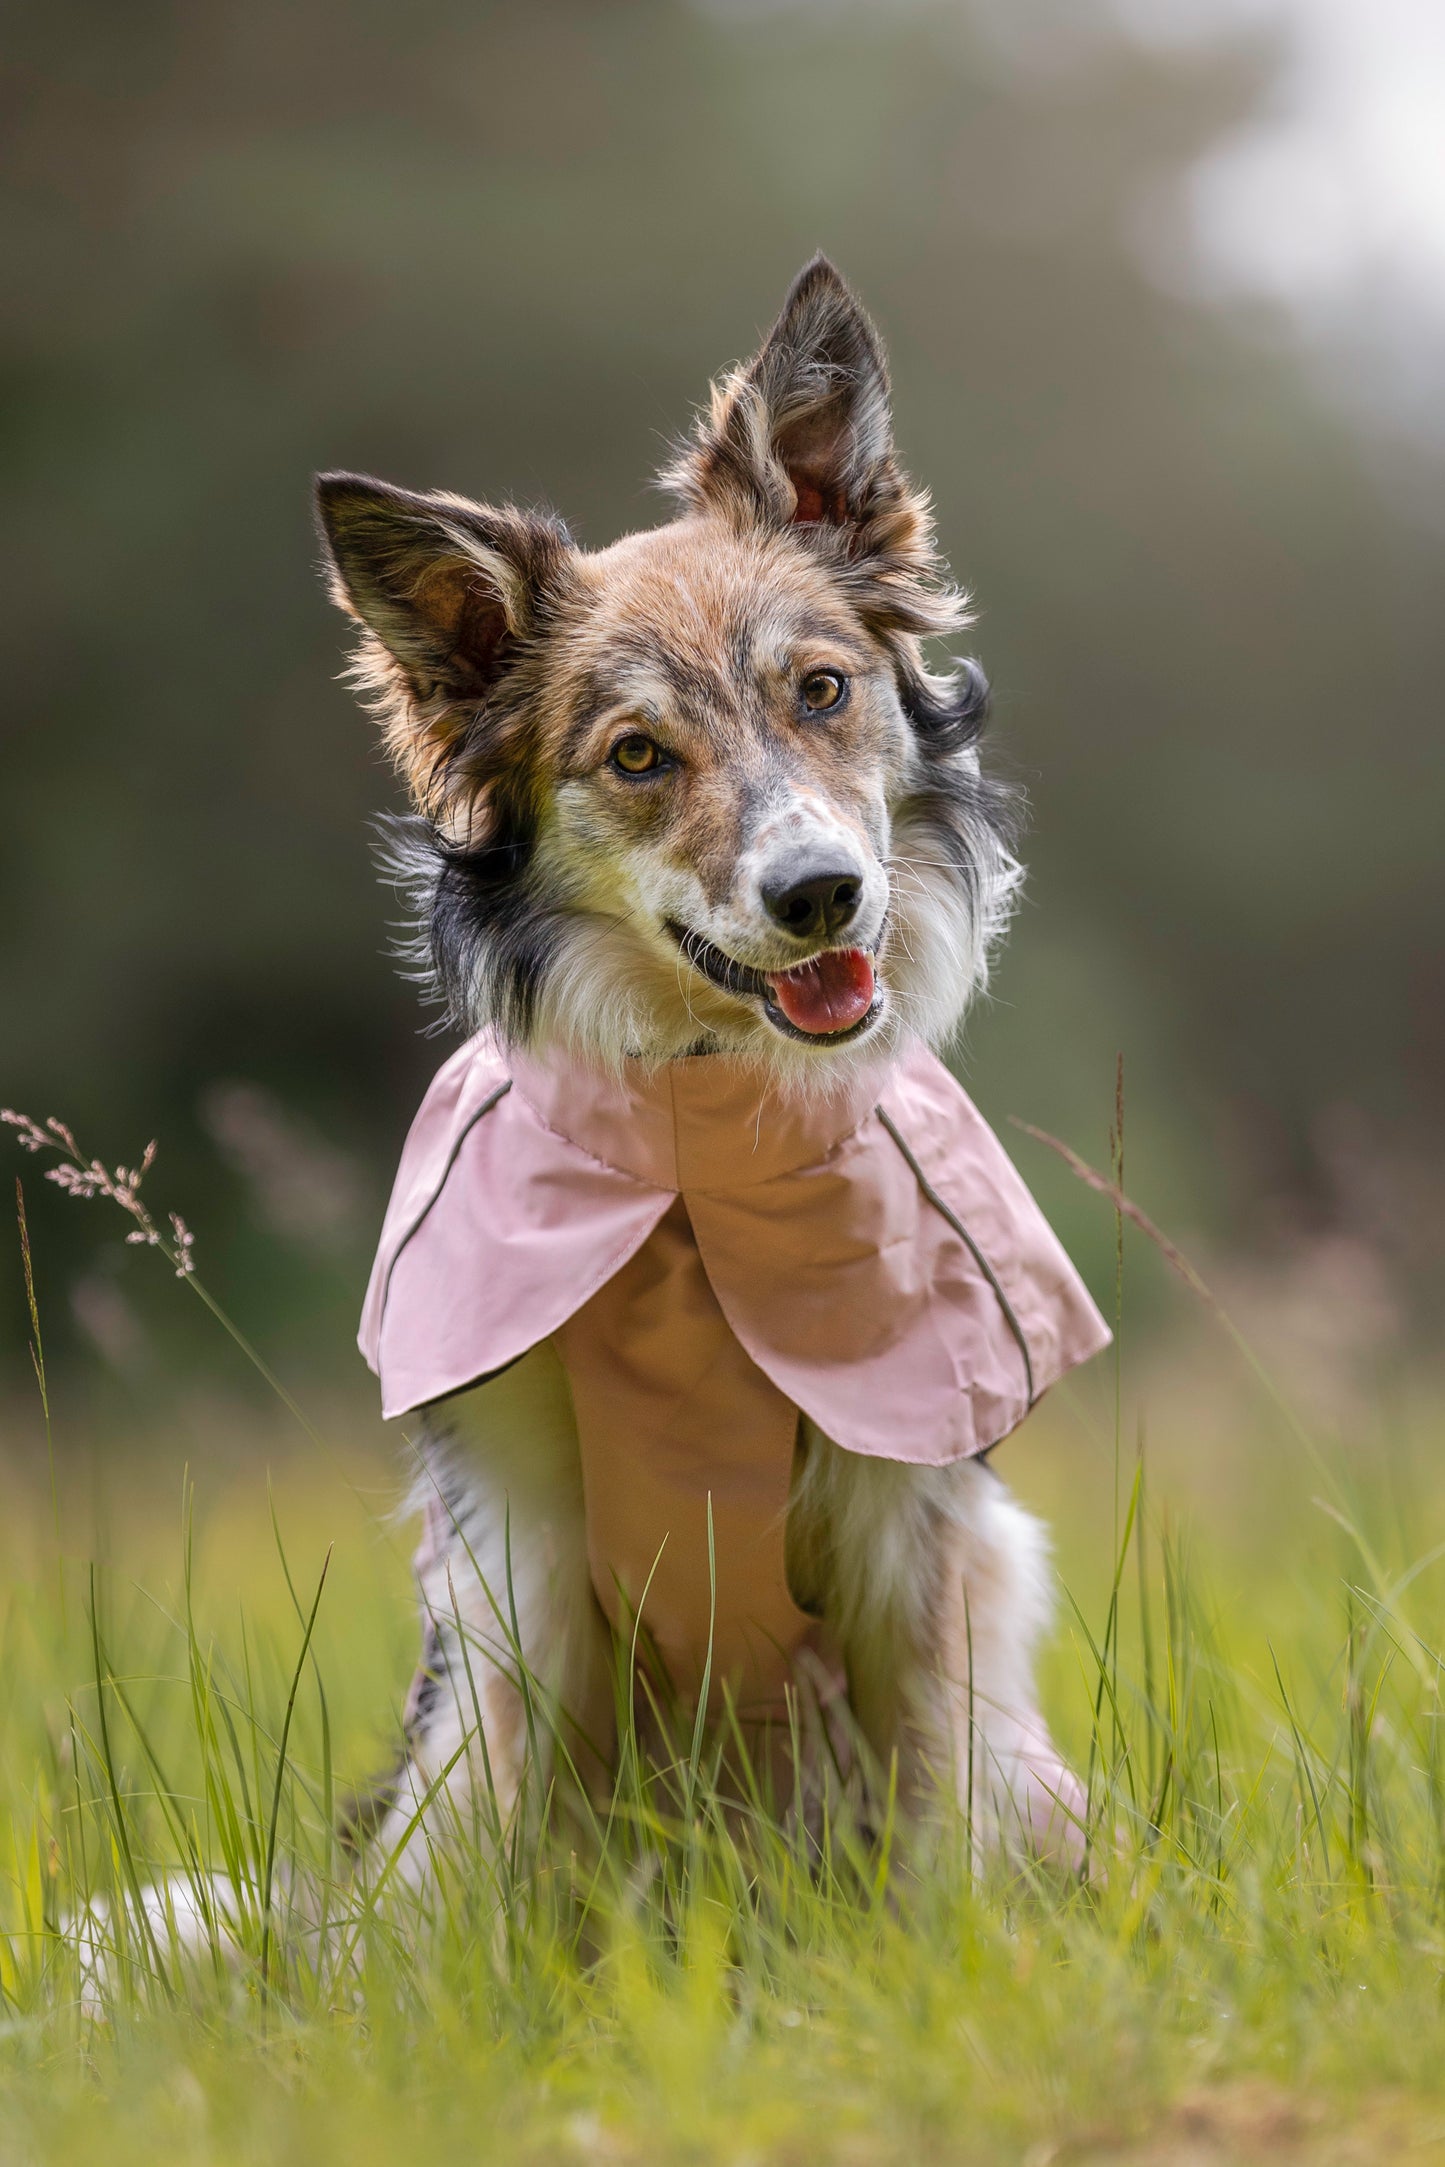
[(637, 755), (820, 690)]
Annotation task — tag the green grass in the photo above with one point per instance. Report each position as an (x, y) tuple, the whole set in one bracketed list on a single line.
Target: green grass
[(1247, 1663)]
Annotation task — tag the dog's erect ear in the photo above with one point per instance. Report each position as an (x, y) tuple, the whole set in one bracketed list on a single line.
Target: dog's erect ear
[(821, 384), (800, 438), (448, 587), (800, 434)]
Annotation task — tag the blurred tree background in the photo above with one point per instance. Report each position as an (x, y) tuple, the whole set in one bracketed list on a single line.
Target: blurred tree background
[(1181, 429)]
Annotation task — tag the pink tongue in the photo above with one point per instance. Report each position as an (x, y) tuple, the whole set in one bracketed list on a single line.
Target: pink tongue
[(831, 993)]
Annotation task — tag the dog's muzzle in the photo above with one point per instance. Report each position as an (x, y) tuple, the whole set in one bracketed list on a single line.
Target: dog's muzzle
[(830, 999)]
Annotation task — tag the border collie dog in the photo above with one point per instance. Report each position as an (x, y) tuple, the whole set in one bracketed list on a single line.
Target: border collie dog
[(704, 1286)]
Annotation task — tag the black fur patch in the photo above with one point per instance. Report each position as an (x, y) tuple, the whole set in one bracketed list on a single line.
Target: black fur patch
[(478, 941), (969, 818), (947, 712)]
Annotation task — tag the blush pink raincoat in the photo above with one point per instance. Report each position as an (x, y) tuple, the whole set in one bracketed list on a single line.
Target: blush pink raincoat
[(709, 1259)]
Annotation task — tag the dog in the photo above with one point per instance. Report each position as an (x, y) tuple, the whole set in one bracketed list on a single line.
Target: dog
[(703, 859)]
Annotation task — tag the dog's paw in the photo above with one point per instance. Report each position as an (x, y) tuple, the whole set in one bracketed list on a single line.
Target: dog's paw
[(173, 1929), (1051, 1807)]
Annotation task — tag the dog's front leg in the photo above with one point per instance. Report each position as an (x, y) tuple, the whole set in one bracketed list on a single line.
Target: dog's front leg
[(992, 1600), (938, 1585), (513, 1690)]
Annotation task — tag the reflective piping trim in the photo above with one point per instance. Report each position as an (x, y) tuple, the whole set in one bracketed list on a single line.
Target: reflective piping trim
[(964, 1236), (485, 1108)]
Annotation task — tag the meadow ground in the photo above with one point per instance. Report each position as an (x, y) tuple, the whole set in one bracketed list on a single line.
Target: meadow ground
[(1247, 1664)]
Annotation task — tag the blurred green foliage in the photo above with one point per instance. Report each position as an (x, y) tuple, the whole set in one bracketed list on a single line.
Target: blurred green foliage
[(502, 247)]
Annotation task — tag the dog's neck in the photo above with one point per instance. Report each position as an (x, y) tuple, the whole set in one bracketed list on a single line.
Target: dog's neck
[(818, 1078)]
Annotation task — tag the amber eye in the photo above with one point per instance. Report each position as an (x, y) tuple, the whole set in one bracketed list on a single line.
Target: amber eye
[(636, 755), (821, 689)]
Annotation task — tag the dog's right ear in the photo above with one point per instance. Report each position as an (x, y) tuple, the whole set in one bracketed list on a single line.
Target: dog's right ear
[(446, 591), (446, 586)]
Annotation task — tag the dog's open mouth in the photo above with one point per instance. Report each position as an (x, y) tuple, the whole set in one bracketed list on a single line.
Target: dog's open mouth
[(832, 996)]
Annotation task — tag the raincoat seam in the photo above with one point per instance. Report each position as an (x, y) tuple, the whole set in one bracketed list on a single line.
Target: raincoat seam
[(680, 1188), (623, 1173), (491, 1100), (951, 1217)]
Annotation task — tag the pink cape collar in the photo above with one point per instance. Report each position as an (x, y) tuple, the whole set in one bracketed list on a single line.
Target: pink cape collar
[(874, 1252)]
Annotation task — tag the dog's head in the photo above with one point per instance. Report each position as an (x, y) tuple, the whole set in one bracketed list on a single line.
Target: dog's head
[(697, 789)]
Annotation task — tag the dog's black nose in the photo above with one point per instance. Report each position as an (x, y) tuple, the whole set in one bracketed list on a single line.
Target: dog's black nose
[(815, 904)]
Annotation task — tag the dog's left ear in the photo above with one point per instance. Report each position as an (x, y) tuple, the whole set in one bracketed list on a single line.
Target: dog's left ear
[(819, 399), (800, 434), (801, 437)]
